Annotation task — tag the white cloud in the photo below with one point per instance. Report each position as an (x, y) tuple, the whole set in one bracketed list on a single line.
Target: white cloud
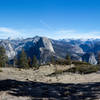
[(61, 34), (95, 32), (8, 32), (4, 29), (58, 34), (75, 34)]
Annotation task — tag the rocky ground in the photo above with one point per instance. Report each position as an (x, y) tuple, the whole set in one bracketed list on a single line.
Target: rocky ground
[(21, 84)]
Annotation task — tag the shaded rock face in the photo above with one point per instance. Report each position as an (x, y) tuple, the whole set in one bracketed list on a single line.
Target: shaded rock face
[(76, 57), (44, 48)]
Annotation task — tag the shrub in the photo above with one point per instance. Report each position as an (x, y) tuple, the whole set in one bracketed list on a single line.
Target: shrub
[(1, 70), (84, 69), (35, 62), (62, 62), (68, 59), (58, 72), (23, 62), (80, 63)]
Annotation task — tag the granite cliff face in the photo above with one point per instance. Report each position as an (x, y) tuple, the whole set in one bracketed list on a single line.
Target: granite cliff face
[(9, 49), (44, 48), (92, 59), (39, 46)]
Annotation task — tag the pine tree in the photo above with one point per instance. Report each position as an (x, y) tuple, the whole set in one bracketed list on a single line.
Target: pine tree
[(3, 57), (23, 62), (34, 62), (68, 58), (99, 57), (52, 59), (15, 61), (29, 62)]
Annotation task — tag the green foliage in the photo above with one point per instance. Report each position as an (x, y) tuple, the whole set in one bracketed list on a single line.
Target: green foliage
[(29, 62), (98, 57), (52, 60), (15, 61), (58, 72), (68, 59), (34, 62), (81, 69), (23, 62), (62, 62), (84, 69), (3, 57), (80, 63)]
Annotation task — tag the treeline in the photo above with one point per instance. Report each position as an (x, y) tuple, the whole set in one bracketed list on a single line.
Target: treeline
[(21, 61), (3, 57), (62, 61), (25, 62)]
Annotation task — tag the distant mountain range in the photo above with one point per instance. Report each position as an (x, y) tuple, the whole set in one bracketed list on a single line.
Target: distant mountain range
[(44, 48)]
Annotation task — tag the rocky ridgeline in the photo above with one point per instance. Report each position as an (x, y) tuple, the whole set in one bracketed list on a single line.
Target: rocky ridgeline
[(43, 48)]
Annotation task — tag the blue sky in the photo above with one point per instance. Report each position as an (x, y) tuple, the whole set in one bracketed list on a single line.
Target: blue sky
[(51, 18)]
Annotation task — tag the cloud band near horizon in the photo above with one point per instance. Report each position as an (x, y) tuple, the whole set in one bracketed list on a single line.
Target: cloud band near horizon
[(6, 32)]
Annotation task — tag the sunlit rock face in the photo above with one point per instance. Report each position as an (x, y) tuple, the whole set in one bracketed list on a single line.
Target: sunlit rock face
[(9, 49), (47, 44), (92, 59), (44, 43)]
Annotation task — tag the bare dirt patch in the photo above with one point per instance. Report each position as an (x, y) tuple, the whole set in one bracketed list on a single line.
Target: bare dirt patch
[(21, 84)]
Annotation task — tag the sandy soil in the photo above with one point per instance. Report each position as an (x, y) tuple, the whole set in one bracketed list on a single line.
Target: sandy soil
[(21, 84)]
